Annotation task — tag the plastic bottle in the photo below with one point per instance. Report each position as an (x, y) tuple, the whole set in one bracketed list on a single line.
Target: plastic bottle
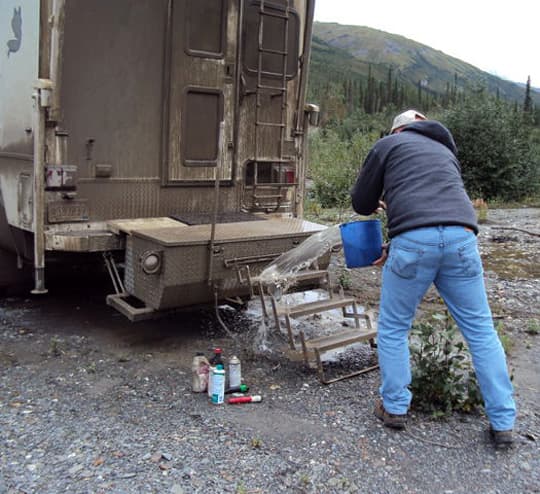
[(235, 372), (218, 385), (200, 369), (243, 388), (217, 359)]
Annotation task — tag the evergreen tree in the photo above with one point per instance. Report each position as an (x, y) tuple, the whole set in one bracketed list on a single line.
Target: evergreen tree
[(527, 103), (497, 159)]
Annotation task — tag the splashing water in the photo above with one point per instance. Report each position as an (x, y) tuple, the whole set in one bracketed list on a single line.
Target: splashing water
[(280, 273), (260, 342)]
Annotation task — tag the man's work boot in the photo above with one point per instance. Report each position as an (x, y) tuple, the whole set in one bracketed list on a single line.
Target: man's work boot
[(501, 439), (389, 419)]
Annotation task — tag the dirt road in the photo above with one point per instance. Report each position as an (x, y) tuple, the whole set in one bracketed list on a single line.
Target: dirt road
[(90, 403)]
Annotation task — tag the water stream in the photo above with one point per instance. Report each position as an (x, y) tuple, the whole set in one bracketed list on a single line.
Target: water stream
[(280, 273)]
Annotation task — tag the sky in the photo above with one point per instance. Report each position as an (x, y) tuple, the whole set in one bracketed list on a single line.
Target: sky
[(498, 36)]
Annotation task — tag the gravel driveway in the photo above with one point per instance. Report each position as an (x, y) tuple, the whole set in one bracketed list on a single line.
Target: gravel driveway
[(91, 403)]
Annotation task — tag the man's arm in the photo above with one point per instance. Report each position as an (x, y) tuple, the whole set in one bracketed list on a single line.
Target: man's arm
[(368, 188)]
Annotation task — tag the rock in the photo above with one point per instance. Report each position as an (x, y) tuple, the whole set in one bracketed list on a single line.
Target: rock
[(128, 475), (74, 470)]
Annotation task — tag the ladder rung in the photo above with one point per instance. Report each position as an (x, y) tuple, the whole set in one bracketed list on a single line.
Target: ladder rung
[(270, 124), (274, 14), (267, 197), (273, 88), (275, 185), (273, 74), (283, 161), (273, 52)]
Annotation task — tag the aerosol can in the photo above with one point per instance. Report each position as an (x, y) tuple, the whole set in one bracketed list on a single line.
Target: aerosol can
[(218, 385), (217, 359), (235, 372)]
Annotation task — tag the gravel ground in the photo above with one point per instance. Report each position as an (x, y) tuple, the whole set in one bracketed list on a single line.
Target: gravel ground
[(90, 403)]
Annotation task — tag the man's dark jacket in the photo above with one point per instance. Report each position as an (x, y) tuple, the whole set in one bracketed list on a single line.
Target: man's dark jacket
[(416, 172)]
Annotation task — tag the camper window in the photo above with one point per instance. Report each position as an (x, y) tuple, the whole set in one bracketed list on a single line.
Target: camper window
[(205, 28)]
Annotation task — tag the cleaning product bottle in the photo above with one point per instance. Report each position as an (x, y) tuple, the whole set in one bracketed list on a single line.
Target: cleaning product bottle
[(243, 388), (200, 369), (235, 372), (215, 360), (218, 385)]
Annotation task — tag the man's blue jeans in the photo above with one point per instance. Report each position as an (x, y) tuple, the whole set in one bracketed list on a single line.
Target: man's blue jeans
[(448, 257)]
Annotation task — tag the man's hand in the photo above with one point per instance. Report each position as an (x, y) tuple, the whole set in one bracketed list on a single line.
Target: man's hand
[(381, 208), (380, 262)]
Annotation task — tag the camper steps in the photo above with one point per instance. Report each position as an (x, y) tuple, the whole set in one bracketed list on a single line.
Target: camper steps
[(132, 308), (336, 302), (310, 350), (314, 348)]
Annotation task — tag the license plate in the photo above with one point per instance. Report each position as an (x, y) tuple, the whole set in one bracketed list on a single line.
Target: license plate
[(62, 212)]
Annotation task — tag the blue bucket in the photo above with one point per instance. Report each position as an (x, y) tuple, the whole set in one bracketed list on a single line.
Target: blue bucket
[(362, 242)]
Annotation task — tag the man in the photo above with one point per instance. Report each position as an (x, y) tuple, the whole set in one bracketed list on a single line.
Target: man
[(432, 226)]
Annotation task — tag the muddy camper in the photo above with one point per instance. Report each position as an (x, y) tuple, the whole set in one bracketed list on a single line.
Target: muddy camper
[(163, 138)]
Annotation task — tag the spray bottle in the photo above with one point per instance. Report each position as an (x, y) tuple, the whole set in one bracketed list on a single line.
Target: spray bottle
[(218, 385)]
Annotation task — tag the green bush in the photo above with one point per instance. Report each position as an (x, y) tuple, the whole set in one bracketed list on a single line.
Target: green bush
[(497, 148), (334, 165), (443, 380)]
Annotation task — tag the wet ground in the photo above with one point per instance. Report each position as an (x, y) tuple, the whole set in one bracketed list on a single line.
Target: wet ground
[(91, 403)]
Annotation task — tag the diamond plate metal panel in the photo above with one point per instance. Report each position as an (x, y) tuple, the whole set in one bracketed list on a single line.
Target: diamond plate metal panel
[(183, 278), (146, 199)]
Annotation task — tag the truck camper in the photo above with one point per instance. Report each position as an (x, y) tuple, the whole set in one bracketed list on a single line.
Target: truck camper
[(163, 138)]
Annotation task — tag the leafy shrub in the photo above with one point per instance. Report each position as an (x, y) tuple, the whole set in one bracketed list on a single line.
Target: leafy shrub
[(334, 165), (443, 380), (496, 147)]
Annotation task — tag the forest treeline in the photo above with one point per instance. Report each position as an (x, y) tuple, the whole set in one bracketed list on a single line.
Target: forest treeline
[(498, 140)]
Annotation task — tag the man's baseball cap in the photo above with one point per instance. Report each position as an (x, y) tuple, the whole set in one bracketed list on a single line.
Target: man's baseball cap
[(406, 118)]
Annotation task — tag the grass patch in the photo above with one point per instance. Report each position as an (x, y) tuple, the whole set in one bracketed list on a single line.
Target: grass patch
[(533, 327), (507, 341)]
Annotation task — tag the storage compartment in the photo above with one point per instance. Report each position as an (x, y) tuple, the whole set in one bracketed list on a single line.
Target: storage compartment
[(171, 267)]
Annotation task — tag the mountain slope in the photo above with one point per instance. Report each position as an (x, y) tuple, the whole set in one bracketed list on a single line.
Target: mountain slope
[(351, 49)]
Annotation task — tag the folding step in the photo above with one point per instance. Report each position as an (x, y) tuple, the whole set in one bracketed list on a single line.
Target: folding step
[(314, 348), (334, 301), (315, 307), (134, 312), (336, 340), (311, 274)]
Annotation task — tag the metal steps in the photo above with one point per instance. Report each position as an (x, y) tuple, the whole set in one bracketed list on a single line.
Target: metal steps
[(315, 307), (310, 350)]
